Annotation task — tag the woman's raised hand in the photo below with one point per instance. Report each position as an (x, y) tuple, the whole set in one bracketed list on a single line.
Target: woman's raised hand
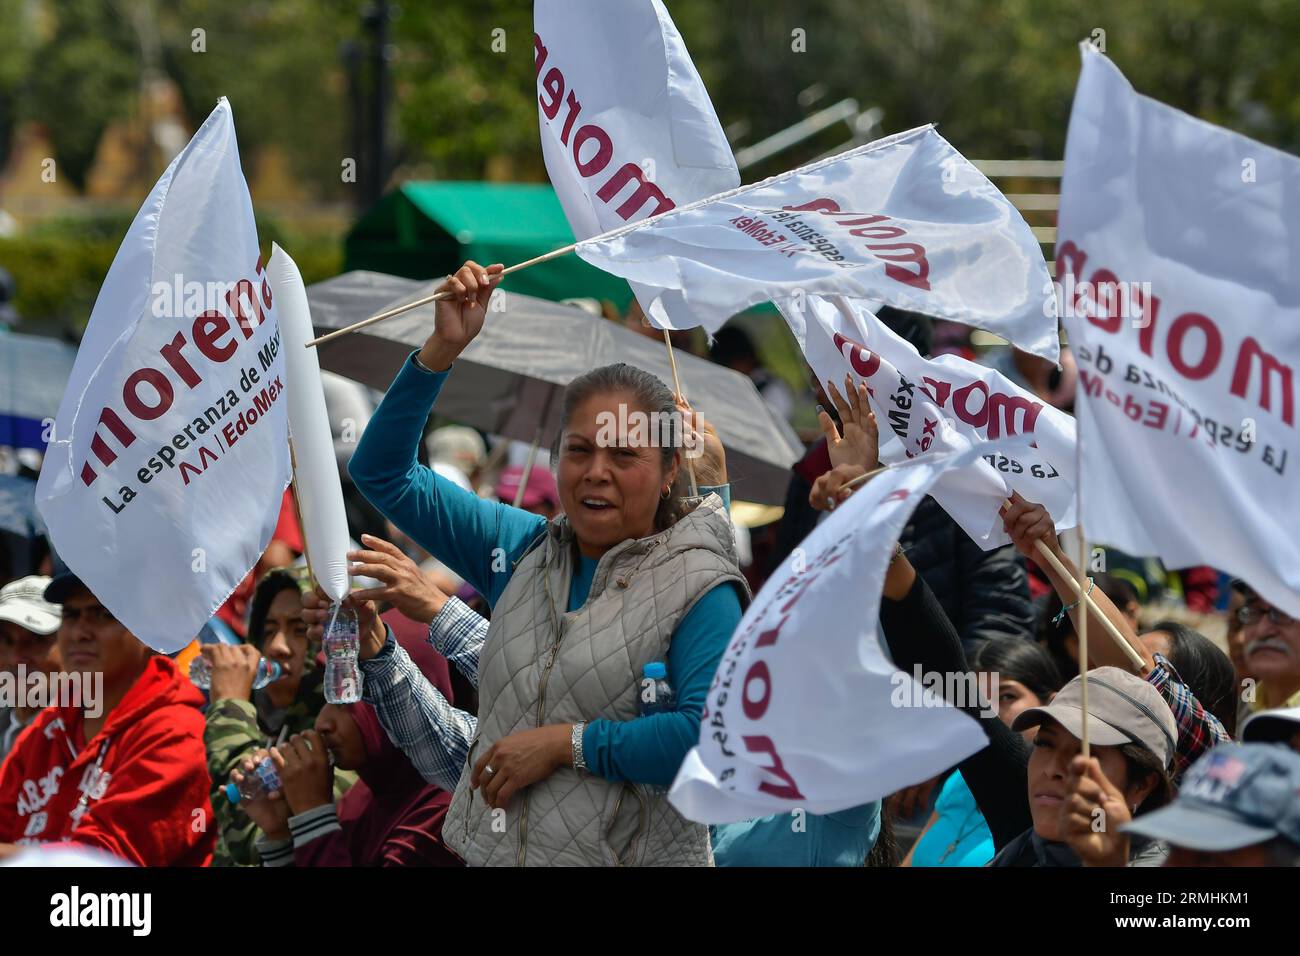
[(459, 319), (703, 446), (1027, 523), (860, 441)]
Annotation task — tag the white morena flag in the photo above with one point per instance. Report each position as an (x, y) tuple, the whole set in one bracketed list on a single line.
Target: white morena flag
[(1179, 266), (806, 710), (628, 130), (934, 405), (163, 481), (320, 492), (906, 221)]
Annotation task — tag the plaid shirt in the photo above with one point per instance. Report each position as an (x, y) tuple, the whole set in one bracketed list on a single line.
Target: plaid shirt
[(1198, 729), (457, 633), (418, 719)]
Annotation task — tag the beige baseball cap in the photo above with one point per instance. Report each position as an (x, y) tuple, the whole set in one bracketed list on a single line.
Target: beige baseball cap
[(1122, 709), (23, 602)]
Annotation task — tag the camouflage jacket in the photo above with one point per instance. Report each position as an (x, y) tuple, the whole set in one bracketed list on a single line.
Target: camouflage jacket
[(235, 728)]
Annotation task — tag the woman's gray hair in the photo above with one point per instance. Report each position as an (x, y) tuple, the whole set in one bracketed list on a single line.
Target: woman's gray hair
[(654, 397)]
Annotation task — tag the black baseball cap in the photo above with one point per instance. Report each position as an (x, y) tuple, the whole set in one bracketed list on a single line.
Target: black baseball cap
[(63, 582)]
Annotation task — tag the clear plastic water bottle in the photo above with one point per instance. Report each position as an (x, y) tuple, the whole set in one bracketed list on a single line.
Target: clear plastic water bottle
[(342, 644), (657, 695), (267, 671), (262, 780)]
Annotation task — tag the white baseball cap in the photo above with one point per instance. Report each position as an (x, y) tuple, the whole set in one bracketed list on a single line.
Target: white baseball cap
[(1271, 726), (23, 602)]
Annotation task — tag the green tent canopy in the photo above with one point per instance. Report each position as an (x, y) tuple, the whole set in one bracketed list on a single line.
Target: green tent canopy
[(427, 229)]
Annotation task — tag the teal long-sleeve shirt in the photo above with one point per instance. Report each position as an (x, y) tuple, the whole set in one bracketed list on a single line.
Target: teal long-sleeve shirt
[(481, 541)]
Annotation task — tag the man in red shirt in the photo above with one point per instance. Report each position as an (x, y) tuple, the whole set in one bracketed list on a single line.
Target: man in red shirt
[(117, 763)]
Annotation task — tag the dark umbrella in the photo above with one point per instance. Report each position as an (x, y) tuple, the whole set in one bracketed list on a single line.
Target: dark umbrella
[(510, 379), (20, 526), (18, 514)]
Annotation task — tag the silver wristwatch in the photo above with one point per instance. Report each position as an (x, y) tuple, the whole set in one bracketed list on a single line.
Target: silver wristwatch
[(579, 761)]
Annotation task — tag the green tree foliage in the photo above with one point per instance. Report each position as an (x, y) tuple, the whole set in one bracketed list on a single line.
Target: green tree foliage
[(278, 64), (996, 75), (15, 54), (81, 78), (460, 101)]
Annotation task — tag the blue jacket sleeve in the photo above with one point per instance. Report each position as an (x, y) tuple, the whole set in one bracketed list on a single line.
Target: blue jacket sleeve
[(480, 540), (651, 749)]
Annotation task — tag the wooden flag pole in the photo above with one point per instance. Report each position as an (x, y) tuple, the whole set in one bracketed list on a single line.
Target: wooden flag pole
[(547, 257), (1083, 640), (528, 468), (1080, 592), (436, 297), (1107, 624), (677, 387), (855, 482), (862, 479), (1083, 597), (293, 465)]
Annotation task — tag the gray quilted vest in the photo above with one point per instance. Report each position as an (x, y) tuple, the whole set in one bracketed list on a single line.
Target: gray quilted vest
[(541, 665)]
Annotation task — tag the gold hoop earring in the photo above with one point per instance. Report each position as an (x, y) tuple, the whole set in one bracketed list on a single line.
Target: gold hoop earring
[(668, 492)]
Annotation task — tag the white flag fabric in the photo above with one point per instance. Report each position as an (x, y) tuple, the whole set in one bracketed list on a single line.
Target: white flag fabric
[(1179, 264), (806, 710), (925, 406), (163, 481), (320, 492), (904, 221), (628, 130)]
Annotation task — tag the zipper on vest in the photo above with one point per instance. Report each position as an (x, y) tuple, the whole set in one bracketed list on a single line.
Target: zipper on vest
[(523, 832), (641, 825), (469, 791), (613, 821), (546, 674), (541, 709), (558, 625), (643, 821)]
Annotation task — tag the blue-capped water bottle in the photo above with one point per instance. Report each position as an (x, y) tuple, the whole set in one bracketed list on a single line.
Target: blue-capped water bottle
[(656, 694), (262, 780), (267, 671)]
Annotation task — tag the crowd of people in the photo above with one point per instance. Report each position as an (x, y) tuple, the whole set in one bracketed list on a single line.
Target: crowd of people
[(509, 616)]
